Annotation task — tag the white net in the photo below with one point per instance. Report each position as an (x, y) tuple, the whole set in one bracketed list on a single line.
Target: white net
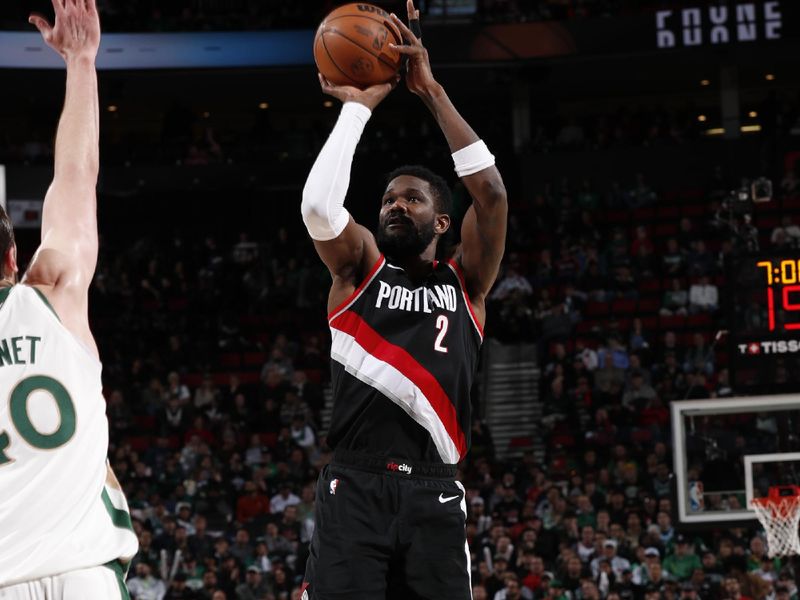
[(780, 517)]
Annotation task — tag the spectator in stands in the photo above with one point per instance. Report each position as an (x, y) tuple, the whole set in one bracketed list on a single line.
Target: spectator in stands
[(673, 261), (682, 561), (285, 497), (640, 194), (687, 234), (676, 300), (699, 357), (206, 394), (703, 296), (513, 590), (790, 184), (701, 262), (144, 586), (255, 587), (571, 135), (479, 592), (641, 239), (512, 281), (177, 389), (617, 563), (723, 388), (788, 231), (638, 393), (252, 503)]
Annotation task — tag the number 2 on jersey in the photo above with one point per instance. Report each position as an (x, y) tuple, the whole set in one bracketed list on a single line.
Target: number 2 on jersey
[(18, 407), (441, 325)]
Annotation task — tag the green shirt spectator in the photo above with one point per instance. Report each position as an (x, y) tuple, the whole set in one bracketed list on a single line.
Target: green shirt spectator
[(683, 560)]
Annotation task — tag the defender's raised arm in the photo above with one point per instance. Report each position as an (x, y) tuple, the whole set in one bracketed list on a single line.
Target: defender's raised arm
[(64, 264)]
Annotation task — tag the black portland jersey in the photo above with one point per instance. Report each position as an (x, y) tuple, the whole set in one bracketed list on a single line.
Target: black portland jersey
[(403, 360)]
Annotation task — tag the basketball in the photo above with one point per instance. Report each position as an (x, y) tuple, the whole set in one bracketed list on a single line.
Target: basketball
[(351, 46)]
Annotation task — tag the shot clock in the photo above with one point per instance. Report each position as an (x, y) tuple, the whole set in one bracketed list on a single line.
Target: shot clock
[(782, 275), (763, 296)]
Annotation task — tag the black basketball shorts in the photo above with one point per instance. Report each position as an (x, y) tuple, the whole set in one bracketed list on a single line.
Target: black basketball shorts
[(388, 528)]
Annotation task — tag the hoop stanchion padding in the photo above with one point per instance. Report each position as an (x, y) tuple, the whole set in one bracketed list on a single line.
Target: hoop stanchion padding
[(779, 513)]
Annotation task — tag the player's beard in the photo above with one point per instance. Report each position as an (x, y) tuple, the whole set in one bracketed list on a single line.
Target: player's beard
[(407, 242)]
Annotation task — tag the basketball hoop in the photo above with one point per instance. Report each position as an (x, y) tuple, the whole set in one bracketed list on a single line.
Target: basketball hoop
[(779, 513)]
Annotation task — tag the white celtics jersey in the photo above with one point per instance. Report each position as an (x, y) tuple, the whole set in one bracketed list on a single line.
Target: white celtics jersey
[(61, 508)]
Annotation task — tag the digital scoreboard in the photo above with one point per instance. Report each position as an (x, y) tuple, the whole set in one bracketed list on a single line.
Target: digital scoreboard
[(763, 299)]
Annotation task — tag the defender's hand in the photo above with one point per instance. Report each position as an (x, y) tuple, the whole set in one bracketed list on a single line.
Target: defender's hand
[(76, 33), (369, 97), (419, 77)]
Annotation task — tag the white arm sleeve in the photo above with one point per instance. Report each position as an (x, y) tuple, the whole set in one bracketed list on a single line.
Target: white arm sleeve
[(323, 195)]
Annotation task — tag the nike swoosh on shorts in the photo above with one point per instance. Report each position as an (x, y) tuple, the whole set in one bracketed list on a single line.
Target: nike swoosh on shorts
[(442, 499)]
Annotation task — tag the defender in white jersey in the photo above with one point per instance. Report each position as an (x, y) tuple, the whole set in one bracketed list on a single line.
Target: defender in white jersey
[(65, 531)]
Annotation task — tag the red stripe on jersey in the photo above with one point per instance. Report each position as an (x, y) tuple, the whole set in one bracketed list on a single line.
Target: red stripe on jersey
[(369, 339), (357, 292), (460, 275)]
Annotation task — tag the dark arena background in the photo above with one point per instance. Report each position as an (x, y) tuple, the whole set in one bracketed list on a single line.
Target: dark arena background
[(650, 151)]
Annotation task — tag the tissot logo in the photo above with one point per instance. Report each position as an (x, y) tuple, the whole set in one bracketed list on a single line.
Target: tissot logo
[(718, 24), (770, 347), (404, 468)]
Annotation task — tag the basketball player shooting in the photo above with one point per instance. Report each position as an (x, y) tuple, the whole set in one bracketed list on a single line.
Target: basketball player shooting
[(406, 333), (64, 522)]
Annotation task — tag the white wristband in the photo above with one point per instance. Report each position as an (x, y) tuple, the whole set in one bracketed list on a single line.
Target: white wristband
[(473, 158)]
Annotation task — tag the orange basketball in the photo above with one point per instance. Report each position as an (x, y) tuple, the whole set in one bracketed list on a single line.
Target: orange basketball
[(351, 46)]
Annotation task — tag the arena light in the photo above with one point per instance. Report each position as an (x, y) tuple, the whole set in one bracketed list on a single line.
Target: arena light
[(705, 82), (263, 105), (752, 114), (327, 103), (750, 128), (701, 118), (769, 77), (715, 131), (206, 114), (112, 108)]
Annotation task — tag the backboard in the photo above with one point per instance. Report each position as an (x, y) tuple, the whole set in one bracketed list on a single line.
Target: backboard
[(728, 451)]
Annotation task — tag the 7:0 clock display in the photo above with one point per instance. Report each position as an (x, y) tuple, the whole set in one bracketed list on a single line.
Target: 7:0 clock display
[(784, 273)]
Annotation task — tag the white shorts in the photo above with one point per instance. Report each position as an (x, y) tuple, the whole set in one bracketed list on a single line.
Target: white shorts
[(95, 583)]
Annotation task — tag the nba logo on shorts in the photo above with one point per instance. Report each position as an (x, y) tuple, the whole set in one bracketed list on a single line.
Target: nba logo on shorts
[(334, 484)]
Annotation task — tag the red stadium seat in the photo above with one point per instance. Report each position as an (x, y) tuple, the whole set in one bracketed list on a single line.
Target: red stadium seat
[(669, 212), (254, 359), (666, 229), (623, 306), (269, 439), (649, 306), (650, 284), (672, 322), (597, 309), (230, 360)]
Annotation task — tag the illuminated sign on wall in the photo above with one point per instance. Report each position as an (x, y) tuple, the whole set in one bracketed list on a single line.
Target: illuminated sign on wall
[(717, 25)]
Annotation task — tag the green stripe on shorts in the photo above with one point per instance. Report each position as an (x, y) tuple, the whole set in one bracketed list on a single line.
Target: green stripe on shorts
[(119, 571)]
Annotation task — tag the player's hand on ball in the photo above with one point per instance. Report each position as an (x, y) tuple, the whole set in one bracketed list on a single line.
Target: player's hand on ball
[(369, 97), (76, 33), (419, 77)]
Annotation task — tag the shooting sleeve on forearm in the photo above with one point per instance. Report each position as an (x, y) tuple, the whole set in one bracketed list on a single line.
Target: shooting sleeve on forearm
[(326, 187)]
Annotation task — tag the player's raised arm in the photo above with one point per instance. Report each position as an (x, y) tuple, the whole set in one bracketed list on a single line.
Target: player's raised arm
[(346, 248), (64, 264), (483, 232)]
